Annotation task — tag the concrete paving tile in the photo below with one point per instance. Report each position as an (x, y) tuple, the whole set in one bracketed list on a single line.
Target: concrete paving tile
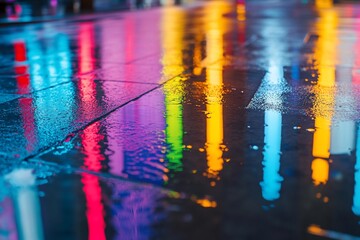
[(39, 120)]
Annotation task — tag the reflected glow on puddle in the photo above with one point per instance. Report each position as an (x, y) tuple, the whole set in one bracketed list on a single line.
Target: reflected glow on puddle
[(325, 54), (172, 35), (214, 80), (356, 197)]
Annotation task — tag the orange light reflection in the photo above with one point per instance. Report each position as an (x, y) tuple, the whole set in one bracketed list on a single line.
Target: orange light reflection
[(325, 55), (214, 122)]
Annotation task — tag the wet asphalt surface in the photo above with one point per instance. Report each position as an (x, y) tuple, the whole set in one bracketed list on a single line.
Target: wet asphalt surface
[(213, 120)]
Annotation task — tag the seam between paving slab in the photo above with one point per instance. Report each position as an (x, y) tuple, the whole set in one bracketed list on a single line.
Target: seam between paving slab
[(46, 148)]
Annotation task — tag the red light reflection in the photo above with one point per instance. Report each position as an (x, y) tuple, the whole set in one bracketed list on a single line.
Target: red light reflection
[(86, 61), (90, 138), (21, 68), (356, 72), (23, 85), (92, 189)]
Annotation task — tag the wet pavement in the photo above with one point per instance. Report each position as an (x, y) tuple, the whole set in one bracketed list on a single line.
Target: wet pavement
[(209, 120)]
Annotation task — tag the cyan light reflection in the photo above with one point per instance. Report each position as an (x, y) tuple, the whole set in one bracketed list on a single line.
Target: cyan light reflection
[(356, 81), (275, 75), (37, 69), (63, 49), (49, 63), (343, 133), (53, 62), (356, 197), (343, 137), (295, 71), (274, 84), (26, 204), (271, 183)]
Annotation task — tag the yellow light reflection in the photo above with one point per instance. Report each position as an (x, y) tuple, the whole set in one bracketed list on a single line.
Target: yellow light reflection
[(215, 29), (241, 11), (197, 54), (321, 145), (172, 38), (324, 3), (214, 137), (173, 22), (206, 203), (320, 171), (326, 50), (325, 55)]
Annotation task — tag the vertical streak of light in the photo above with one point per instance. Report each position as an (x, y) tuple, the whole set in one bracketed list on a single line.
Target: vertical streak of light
[(23, 84), (130, 26), (115, 37), (21, 68), (197, 53), (86, 57), (325, 55), (356, 197), (90, 140), (26, 204), (92, 189), (343, 133), (172, 37), (275, 82), (321, 144), (37, 65), (214, 122), (271, 184), (356, 80)]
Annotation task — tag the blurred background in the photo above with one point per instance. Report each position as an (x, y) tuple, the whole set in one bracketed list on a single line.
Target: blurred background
[(28, 9)]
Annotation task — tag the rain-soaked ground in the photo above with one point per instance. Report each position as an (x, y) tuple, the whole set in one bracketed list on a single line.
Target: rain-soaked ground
[(210, 120)]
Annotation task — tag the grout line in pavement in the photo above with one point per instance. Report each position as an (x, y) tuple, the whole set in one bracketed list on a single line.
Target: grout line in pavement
[(46, 148), (36, 91), (118, 81)]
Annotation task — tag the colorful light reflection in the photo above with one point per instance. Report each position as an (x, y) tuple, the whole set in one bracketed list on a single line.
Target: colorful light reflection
[(90, 140), (274, 85), (215, 29), (172, 38), (325, 55), (92, 189), (356, 197), (271, 183)]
